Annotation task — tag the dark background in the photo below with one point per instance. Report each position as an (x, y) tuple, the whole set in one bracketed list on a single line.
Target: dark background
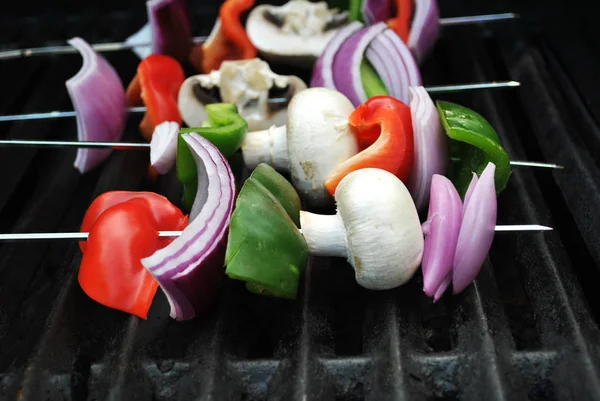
[(527, 328)]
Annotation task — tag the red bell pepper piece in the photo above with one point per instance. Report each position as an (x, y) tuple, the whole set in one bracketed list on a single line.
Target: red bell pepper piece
[(401, 24), (123, 229), (383, 127), (156, 85), (229, 42)]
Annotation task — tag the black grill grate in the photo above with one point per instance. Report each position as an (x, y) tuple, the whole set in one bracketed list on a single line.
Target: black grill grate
[(527, 329)]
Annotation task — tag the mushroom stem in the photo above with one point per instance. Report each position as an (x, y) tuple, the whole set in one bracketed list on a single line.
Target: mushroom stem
[(268, 146), (325, 235)]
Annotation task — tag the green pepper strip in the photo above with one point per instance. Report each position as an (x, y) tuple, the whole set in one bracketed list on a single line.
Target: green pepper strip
[(281, 189), (355, 13), (371, 81), (474, 144), (224, 128), (267, 252)]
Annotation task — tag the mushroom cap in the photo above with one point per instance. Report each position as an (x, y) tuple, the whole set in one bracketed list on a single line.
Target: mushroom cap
[(318, 139), (276, 45), (245, 83), (383, 232)]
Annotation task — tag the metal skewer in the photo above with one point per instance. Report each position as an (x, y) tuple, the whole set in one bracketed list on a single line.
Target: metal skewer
[(431, 89), (175, 234), (144, 146), (118, 46)]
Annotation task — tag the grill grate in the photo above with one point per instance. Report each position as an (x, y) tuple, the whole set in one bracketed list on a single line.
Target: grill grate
[(527, 328)]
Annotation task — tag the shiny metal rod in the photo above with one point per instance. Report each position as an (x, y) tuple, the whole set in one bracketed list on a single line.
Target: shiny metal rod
[(118, 46), (76, 144), (477, 19), (536, 164), (67, 236), (470, 87), (431, 89), (55, 114), (142, 146), (175, 234)]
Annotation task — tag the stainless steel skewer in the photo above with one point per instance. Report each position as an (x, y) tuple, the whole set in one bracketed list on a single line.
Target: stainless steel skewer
[(118, 46), (144, 146), (431, 89), (174, 234)]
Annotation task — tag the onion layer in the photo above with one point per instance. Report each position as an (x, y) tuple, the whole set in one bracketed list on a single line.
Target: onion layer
[(346, 63), (477, 229), (171, 34), (163, 146), (431, 146), (340, 66), (374, 11), (98, 98), (322, 75), (441, 235), (425, 28), (190, 269)]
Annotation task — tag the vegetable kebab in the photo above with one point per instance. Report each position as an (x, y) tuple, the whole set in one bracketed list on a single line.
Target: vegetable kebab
[(296, 33), (261, 97), (376, 227)]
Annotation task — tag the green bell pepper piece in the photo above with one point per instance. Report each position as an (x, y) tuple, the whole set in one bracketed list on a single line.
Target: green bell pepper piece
[(225, 128), (354, 10), (280, 188), (265, 248), (371, 81), (474, 143)]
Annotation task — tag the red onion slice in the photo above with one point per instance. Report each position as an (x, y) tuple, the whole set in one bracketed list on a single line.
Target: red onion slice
[(394, 63), (171, 34), (346, 63), (190, 269), (374, 11), (389, 67), (163, 146), (322, 75), (99, 100), (441, 235), (412, 68), (477, 230), (424, 29), (431, 146)]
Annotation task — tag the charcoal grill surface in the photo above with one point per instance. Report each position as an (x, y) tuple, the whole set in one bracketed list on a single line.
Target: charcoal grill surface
[(527, 328)]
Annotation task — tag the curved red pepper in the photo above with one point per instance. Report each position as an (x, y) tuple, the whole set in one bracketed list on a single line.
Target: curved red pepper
[(401, 23), (228, 42), (123, 229), (156, 85), (383, 128)]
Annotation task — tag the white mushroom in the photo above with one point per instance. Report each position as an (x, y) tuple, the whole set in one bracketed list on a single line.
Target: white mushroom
[(317, 139), (260, 95), (376, 228), (296, 32)]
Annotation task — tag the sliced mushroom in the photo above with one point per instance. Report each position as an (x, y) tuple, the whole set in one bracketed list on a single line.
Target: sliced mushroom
[(260, 95), (295, 33)]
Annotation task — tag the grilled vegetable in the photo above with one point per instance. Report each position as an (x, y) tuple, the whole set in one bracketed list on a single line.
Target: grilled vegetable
[(267, 252), (249, 84), (295, 33), (122, 230), (224, 128), (156, 85), (474, 144), (376, 228)]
